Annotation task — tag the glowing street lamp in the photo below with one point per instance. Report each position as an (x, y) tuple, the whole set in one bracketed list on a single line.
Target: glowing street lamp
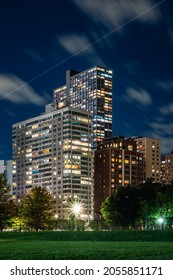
[(56, 221), (76, 208), (160, 221)]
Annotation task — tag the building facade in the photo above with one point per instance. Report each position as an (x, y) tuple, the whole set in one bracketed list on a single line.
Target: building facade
[(117, 163), (169, 168), (90, 90), (162, 170), (53, 150), (152, 157)]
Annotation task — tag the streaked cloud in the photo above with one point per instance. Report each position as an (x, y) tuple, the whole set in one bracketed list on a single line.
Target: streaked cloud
[(140, 96), (80, 44), (111, 13), (162, 128), (165, 84), (8, 112), (162, 132), (18, 91), (75, 43), (167, 110), (126, 125), (47, 96), (132, 66), (34, 56)]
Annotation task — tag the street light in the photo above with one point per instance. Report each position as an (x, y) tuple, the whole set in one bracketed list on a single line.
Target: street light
[(56, 221), (160, 221), (76, 208)]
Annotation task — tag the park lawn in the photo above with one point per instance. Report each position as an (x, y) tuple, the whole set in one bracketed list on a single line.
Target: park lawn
[(117, 245), (79, 250)]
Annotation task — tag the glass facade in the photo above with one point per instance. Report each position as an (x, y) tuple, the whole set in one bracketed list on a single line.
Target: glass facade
[(90, 90)]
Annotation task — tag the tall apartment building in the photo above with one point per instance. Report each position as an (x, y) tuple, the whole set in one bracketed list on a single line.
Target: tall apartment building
[(53, 150), (117, 163), (151, 152), (90, 90)]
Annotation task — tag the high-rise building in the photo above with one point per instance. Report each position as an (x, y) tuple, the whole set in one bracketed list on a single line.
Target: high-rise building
[(53, 150), (117, 163), (151, 152), (90, 90)]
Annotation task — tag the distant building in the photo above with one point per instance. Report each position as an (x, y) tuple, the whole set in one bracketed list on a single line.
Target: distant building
[(151, 151), (53, 150), (1, 166), (6, 168), (169, 168), (90, 90), (116, 163), (162, 169)]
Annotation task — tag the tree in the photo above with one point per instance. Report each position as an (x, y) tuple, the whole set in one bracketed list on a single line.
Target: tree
[(164, 205), (6, 203), (37, 208), (147, 197), (122, 209)]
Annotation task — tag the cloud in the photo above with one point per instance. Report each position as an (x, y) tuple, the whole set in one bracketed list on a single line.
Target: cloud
[(79, 44), (111, 13), (47, 96), (166, 140), (132, 67), (34, 56), (75, 43), (162, 128), (166, 84), (167, 110), (140, 96), (8, 112), (126, 125), (18, 91)]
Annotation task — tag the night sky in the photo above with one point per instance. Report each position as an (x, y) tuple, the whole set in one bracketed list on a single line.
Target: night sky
[(40, 40)]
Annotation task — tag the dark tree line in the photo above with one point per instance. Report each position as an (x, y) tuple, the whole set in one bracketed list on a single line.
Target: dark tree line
[(139, 206)]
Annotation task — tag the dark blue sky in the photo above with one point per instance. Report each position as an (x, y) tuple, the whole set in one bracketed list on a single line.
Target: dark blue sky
[(134, 38)]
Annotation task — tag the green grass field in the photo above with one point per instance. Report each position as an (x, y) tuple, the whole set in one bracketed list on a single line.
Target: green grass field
[(117, 245)]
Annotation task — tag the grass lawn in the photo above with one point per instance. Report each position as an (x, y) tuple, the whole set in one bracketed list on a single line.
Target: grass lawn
[(118, 245)]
